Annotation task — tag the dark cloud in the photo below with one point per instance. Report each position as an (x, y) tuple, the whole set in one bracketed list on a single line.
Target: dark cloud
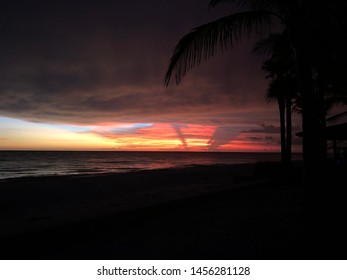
[(119, 131), (253, 138), (181, 136), (267, 129), (222, 136), (270, 134), (97, 61)]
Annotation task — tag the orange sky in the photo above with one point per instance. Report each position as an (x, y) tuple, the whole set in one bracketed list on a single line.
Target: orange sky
[(22, 135), (90, 77)]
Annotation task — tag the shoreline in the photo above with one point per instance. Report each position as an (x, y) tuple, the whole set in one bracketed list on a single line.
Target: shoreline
[(244, 211), (110, 173), (37, 164), (38, 202)]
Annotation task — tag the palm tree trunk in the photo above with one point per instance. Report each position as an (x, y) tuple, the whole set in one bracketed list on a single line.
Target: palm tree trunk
[(281, 107), (324, 144), (311, 115), (311, 124), (314, 195), (289, 129)]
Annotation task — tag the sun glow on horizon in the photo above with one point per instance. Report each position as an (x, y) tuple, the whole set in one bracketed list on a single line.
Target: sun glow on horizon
[(23, 135)]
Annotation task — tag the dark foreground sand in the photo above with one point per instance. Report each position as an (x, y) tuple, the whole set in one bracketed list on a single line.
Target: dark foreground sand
[(201, 212)]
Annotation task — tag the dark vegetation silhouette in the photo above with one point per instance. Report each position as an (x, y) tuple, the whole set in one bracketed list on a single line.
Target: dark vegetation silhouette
[(308, 74), (283, 86), (315, 32)]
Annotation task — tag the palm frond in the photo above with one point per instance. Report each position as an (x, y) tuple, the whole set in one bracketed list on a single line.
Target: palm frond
[(267, 45), (253, 4), (206, 40), (278, 46), (269, 66), (273, 91), (281, 87)]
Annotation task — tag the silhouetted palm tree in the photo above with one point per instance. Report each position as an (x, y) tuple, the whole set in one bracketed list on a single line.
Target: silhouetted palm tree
[(274, 92), (301, 19), (283, 86)]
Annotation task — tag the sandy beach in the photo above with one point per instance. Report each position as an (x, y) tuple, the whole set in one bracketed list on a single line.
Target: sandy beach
[(202, 212)]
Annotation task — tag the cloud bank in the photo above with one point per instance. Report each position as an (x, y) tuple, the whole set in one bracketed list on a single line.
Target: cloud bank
[(87, 62)]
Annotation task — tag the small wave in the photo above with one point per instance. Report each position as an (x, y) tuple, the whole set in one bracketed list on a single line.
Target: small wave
[(20, 164)]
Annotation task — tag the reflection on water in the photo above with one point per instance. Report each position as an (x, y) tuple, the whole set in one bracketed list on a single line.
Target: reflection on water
[(26, 163)]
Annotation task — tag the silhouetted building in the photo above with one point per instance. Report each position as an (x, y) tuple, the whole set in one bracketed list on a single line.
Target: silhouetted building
[(337, 141)]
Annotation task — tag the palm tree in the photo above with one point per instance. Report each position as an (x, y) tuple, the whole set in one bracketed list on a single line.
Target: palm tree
[(274, 92), (283, 86), (300, 18)]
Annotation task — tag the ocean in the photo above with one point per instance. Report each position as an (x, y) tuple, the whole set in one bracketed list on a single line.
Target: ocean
[(14, 164)]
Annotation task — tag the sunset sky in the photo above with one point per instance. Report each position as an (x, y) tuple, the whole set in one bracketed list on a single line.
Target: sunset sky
[(88, 75)]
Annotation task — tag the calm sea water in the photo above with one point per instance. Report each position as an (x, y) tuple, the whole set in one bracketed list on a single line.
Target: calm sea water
[(29, 163)]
